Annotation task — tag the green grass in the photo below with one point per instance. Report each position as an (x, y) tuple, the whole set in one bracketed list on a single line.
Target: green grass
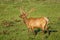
[(9, 11)]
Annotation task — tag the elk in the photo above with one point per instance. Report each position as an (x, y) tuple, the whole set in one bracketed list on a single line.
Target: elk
[(32, 23)]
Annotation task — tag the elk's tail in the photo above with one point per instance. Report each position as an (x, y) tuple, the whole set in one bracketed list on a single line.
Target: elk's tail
[(46, 19)]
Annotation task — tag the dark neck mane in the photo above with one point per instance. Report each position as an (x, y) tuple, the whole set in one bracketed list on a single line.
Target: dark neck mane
[(25, 19)]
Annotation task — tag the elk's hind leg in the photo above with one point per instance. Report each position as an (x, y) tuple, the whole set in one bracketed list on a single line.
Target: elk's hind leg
[(47, 29)]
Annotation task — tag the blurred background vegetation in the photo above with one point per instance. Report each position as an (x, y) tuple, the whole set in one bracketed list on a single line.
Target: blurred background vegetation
[(13, 28)]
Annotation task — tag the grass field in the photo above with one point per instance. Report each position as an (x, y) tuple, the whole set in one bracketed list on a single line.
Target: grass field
[(13, 28)]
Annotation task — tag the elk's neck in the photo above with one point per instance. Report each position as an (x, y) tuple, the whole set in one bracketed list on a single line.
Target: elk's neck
[(25, 20)]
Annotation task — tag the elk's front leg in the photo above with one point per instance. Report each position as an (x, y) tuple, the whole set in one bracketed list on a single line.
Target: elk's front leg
[(33, 31), (43, 29)]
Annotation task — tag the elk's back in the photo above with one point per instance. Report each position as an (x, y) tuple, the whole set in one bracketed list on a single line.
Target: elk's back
[(37, 22)]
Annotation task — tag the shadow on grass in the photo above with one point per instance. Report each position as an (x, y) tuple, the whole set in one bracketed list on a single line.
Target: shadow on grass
[(36, 31), (49, 31)]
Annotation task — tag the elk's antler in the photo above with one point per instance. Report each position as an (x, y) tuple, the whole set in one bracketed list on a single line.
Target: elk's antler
[(31, 10), (22, 10)]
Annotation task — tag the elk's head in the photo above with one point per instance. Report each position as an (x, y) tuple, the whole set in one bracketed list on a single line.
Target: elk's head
[(25, 14)]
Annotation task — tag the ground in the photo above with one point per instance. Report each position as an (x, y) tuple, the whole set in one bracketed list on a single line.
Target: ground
[(12, 26)]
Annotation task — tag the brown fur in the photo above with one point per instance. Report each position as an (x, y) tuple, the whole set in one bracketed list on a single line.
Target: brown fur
[(35, 22)]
